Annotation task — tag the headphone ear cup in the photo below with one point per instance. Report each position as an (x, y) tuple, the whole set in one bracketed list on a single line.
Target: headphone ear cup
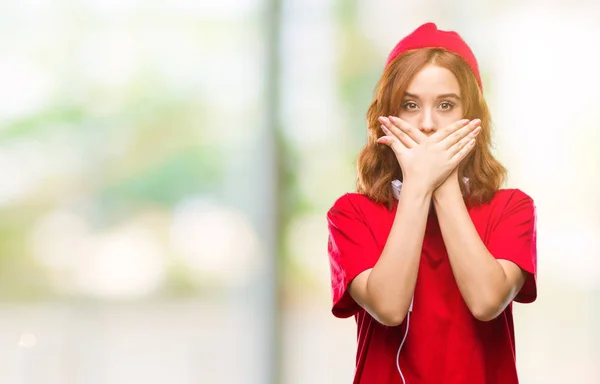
[(396, 188)]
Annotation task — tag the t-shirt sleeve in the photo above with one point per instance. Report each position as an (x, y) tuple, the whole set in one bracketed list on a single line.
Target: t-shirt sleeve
[(352, 249), (514, 239)]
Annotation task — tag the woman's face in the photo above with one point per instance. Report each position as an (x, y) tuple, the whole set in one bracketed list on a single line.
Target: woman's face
[(432, 100)]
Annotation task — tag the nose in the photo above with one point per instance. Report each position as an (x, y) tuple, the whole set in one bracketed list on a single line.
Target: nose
[(427, 123)]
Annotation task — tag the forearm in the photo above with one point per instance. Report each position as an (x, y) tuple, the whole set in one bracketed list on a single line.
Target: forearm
[(480, 277), (391, 283)]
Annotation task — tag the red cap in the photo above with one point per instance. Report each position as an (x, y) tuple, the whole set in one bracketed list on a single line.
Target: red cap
[(429, 36)]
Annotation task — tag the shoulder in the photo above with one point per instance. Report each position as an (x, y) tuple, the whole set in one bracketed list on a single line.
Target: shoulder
[(350, 200), (354, 204), (511, 195), (510, 203), (509, 199)]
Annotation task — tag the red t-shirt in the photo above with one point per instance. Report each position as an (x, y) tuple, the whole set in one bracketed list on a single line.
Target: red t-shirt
[(445, 343)]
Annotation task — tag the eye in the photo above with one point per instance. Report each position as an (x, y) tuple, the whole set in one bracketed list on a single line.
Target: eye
[(410, 106), (446, 106)]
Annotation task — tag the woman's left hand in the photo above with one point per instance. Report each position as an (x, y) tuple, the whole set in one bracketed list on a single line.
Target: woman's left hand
[(450, 182), (417, 136)]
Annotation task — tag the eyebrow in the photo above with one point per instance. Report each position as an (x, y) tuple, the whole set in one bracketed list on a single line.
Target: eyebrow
[(442, 96)]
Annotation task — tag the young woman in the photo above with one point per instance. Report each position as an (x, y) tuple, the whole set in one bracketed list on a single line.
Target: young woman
[(430, 253)]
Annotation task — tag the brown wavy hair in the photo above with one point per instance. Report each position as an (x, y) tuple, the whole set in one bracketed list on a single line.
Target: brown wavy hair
[(377, 165)]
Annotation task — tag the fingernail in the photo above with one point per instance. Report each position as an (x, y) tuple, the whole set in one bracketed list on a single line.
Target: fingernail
[(381, 119), (476, 121)]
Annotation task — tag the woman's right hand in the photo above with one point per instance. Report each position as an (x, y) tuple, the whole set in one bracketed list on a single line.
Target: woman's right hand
[(428, 160)]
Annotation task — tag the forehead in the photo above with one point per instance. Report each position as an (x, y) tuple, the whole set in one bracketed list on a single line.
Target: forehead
[(433, 80)]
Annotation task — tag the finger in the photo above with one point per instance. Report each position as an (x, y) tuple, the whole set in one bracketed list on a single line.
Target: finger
[(461, 133), (393, 142), (390, 140), (415, 134), (457, 147), (400, 128), (393, 130), (445, 132), (460, 155)]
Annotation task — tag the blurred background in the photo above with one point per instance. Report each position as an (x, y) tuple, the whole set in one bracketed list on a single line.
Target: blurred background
[(166, 168)]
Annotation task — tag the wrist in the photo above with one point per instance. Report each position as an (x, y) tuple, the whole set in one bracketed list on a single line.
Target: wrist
[(417, 191), (450, 189)]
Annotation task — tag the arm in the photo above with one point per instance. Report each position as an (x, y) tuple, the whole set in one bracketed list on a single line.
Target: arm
[(487, 285), (386, 290)]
